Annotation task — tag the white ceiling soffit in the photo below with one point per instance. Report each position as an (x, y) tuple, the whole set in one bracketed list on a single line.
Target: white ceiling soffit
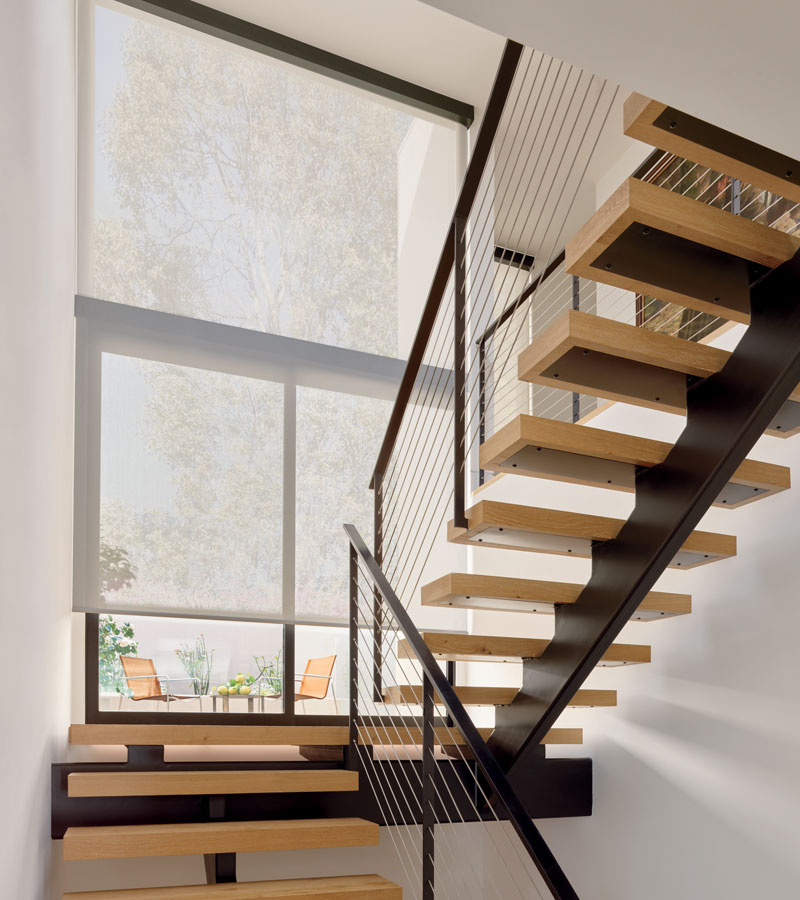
[(404, 38), (730, 62)]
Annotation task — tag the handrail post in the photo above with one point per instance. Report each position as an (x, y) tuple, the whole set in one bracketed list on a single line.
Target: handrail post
[(576, 304), (459, 370), (352, 742), (377, 604), (428, 790)]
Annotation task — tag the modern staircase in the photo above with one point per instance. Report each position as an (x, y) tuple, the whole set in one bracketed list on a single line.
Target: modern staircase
[(409, 753)]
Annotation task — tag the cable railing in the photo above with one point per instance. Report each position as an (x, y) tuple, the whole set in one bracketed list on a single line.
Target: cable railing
[(427, 765)]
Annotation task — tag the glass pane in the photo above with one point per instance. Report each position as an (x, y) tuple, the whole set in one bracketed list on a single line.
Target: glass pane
[(158, 664), (191, 490), (338, 436), (235, 188)]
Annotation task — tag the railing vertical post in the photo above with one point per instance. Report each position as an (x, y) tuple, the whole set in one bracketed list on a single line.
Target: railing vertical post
[(428, 790), (377, 603), (481, 401), (576, 304), (352, 742), (736, 197), (459, 370)]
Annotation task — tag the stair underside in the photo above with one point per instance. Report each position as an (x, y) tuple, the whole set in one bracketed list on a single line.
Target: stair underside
[(472, 695), (128, 841), (151, 784), (653, 241), (492, 523), (560, 451), (670, 129), (496, 592), (411, 735), (208, 735), (343, 887), (487, 648), (592, 355)]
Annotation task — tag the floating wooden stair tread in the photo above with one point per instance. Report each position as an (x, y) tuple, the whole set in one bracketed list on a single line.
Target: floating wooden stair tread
[(209, 735), (342, 887), (593, 355), (127, 841), (263, 781), (670, 129), (510, 526), (657, 242), (561, 451), (473, 695), (530, 595), (480, 648), (411, 735)]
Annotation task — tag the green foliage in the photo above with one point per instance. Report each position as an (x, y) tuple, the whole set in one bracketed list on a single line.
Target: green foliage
[(116, 569), (197, 662), (114, 641), (270, 673)]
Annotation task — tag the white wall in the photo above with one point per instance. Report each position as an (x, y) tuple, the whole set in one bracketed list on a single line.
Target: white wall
[(36, 371)]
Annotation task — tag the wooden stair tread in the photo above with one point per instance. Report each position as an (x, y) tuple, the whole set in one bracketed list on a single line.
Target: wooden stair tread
[(128, 841), (598, 356), (561, 451), (476, 695), (260, 781), (700, 254), (411, 735), (208, 735), (670, 129), (498, 592), (493, 523), (491, 648), (341, 887)]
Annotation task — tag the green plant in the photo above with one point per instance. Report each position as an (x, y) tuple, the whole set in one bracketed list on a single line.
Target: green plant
[(116, 569), (114, 641), (197, 662), (270, 674)]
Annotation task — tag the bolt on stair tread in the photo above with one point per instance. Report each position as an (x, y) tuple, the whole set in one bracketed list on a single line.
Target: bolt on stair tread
[(498, 592), (491, 648), (253, 781), (580, 454), (657, 242), (501, 525), (340, 887), (617, 361), (700, 142), (131, 841)]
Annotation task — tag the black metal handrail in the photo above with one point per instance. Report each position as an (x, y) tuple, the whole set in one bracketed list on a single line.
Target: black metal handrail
[(497, 782), (449, 259)]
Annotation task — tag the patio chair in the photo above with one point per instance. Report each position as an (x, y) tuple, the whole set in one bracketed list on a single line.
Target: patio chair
[(146, 684), (316, 680)]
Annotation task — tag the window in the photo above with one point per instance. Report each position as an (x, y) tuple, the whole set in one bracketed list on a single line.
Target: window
[(252, 267)]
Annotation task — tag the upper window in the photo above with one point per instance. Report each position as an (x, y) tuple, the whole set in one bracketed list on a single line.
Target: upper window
[(232, 187)]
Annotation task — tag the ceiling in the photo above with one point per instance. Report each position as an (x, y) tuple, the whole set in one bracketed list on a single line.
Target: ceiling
[(730, 62)]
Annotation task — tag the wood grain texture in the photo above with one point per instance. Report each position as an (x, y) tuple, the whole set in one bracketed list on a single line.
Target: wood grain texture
[(639, 114), (411, 735), (343, 887), (494, 514), (647, 204), (563, 736), (475, 695), (492, 648), (152, 784), (576, 331), (208, 735), (466, 591), (583, 440), (128, 841)]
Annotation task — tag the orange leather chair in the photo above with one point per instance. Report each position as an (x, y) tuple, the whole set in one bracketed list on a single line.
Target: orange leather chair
[(316, 680), (146, 684)]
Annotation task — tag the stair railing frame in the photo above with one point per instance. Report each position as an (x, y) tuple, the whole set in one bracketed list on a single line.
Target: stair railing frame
[(435, 681)]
